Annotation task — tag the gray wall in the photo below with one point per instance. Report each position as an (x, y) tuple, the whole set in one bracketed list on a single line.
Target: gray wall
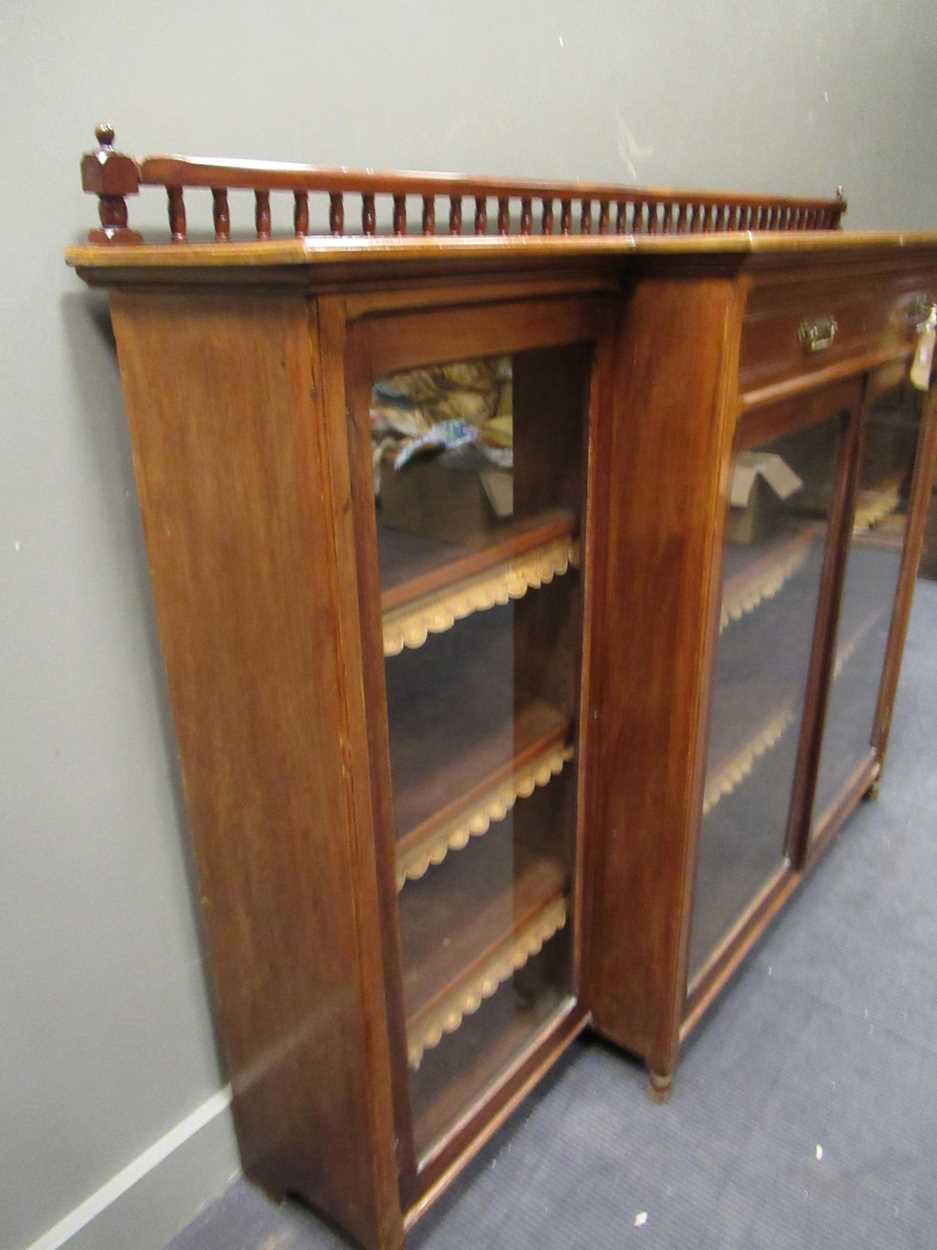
[(105, 1029)]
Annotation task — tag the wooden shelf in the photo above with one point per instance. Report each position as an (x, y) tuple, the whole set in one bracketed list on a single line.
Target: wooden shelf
[(460, 728), (727, 772), (761, 664), (446, 771), (541, 751), (429, 585), (455, 1079), (468, 927), (756, 572)]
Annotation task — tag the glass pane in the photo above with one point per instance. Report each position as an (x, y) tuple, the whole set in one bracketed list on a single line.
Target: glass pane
[(781, 495), (478, 472), (890, 435)]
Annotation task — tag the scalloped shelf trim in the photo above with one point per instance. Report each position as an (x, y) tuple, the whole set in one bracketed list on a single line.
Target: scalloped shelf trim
[(748, 597), (465, 1001), (874, 506), (476, 820), (411, 625), (849, 648), (734, 772)]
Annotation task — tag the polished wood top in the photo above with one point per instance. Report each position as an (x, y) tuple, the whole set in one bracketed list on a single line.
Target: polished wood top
[(362, 251)]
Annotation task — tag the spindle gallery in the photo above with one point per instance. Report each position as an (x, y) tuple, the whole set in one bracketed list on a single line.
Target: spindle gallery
[(383, 200)]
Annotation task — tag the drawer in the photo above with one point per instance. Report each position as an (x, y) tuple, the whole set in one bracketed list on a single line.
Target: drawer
[(792, 331)]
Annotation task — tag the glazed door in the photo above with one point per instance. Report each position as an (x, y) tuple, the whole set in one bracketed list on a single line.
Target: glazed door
[(477, 438), (787, 498), (857, 709)]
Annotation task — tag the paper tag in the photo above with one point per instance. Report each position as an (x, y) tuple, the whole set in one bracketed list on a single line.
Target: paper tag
[(923, 357), (750, 465)]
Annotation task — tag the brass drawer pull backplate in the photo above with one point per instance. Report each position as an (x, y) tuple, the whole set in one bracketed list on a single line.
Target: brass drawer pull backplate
[(818, 334)]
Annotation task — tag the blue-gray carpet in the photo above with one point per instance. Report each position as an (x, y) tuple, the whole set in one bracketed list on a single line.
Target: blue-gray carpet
[(824, 1045)]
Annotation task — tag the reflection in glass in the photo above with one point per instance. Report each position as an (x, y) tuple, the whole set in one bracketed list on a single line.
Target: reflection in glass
[(781, 494), (890, 434), (478, 472)]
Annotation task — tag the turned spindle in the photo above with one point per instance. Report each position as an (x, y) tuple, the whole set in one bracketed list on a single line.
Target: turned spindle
[(585, 217), (504, 215), (547, 220), (176, 214), (429, 214), (220, 215), (621, 216), (262, 214), (368, 216), (400, 214), (455, 214), (681, 219), (110, 175), (337, 213), (300, 214), (566, 216), (603, 216), (481, 214), (651, 217), (527, 215)]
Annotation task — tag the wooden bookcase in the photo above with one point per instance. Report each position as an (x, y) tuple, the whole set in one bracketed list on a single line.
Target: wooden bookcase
[(519, 736)]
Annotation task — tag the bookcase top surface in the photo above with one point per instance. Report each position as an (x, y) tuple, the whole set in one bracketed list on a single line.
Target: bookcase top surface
[(318, 252)]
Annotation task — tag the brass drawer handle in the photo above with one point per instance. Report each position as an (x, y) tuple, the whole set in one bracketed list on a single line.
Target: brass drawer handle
[(818, 335)]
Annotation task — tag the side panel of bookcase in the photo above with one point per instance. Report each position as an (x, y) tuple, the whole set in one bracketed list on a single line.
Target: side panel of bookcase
[(244, 501)]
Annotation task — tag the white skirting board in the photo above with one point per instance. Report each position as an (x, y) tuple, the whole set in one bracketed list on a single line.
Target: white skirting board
[(147, 1202)]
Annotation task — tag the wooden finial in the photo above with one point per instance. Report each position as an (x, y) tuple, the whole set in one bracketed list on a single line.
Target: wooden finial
[(111, 176)]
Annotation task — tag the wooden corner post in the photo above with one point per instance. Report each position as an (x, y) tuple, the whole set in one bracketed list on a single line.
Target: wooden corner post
[(111, 176)]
